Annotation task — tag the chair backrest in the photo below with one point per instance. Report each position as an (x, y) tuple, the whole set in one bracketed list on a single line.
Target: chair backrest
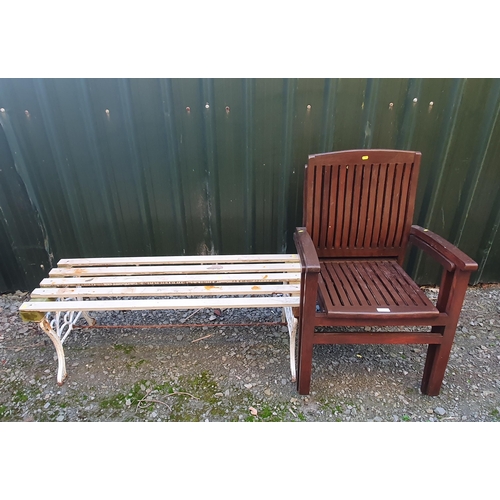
[(360, 203)]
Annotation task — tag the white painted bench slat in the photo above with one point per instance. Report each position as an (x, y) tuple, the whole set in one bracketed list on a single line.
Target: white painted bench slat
[(191, 269), (189, 278), (200, 259), (151, 291), (155, 304)]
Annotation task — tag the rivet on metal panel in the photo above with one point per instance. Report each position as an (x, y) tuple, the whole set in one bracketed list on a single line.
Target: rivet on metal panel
[(188, 109), (415, 99), (27, 113), (227, 109), (308, 106), (2, 110), (207, 105), (391, 105), (431, 103), (107, 111)]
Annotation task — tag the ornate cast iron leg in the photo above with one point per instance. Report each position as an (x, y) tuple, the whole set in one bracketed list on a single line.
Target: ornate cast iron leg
[(58, 327)]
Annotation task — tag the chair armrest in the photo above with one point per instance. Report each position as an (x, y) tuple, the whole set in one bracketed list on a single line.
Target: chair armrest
[(306, 250), (448, 255)]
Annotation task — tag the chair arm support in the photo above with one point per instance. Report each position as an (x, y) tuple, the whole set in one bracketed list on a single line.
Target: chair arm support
[(306, 250), (448, 255)]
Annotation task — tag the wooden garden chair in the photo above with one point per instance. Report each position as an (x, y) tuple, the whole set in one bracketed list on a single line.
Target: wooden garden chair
[(358, 212)]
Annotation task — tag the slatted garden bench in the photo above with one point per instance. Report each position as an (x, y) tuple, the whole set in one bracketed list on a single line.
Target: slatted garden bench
[(80, 286)]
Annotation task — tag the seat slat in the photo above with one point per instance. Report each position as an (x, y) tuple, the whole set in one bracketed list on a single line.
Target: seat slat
[(337, 293), (370, 287), (191, 269), (364, 293), (182, 259), (362, 271), (151, 291), (351, 290), (389, 277), (409, 287), (180, 278), (157, 304)]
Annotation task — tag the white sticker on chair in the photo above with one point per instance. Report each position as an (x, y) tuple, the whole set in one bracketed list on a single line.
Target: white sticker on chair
[(383, 310)]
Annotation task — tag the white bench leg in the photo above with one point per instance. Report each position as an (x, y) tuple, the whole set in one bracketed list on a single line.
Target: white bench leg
[(292, 331), (61, 369), (58, 329)]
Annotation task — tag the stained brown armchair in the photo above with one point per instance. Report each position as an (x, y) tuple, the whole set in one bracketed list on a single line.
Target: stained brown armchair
[(358, 212)]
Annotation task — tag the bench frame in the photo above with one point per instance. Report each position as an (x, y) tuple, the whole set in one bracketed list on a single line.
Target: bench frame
[(212, 281)]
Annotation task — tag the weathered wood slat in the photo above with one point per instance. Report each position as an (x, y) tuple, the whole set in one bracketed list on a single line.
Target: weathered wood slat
[(167, 291), (172, 260), (167, 270), (157, 304), (180, 278)]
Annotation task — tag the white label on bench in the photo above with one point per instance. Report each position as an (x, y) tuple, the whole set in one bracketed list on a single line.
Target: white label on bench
[(383, 310)]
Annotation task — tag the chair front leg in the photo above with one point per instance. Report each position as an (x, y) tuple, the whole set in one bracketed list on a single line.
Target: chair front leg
[(306, 331), (450, 300)]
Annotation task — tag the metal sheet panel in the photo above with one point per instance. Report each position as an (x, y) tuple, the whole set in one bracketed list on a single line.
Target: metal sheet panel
[(118, 167)]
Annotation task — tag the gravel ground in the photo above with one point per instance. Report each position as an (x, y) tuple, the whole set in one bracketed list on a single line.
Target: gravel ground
[(231, 374)]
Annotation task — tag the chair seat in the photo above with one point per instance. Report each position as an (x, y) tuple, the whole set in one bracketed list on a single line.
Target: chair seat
[(372, 289)]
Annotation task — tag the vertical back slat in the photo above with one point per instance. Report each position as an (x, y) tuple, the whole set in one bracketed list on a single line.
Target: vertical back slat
[(361, 202), (347, 219), (379, 191), (339, 219), (363, 219), (325, 206), (388, 212), (318, 180), (356, 202), (370, 216), (396, 203), (308, 212), (332, 209), (405, 186)]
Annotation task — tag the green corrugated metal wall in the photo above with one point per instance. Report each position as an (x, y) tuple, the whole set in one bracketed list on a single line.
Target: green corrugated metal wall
[(109, 167)]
